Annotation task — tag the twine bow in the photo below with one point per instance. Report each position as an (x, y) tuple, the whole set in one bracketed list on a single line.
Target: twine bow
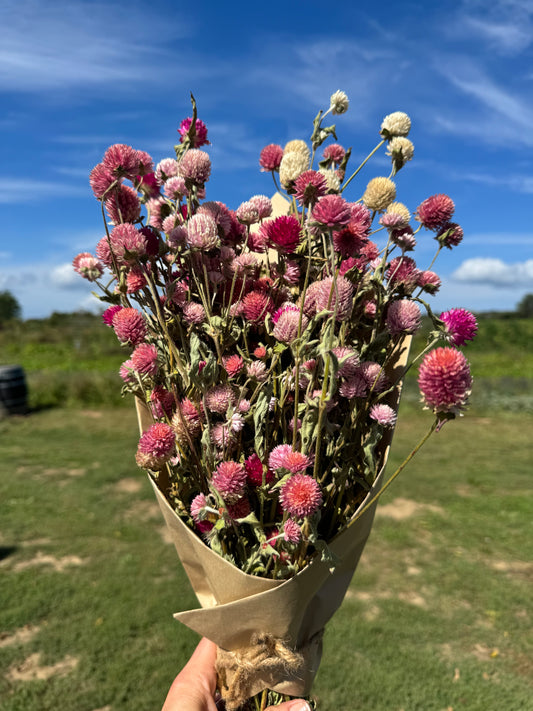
[(266, 657)]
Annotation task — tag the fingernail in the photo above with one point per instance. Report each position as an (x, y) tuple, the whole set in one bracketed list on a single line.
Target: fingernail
[(299, 705)]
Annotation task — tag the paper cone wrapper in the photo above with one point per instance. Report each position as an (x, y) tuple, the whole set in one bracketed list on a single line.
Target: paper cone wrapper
[(235, 606)]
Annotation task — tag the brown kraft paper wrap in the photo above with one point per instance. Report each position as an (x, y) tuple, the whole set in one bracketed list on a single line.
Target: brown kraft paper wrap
[(236, 607)]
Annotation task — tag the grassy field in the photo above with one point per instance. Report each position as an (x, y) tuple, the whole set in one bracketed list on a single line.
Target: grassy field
[(438, 616)]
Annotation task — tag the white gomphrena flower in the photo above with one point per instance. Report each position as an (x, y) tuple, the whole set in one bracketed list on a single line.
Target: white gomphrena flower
[(292, 165), (396, 124), (339, 102), (332, 179), (398, 208), (401, 150), (379, 194)]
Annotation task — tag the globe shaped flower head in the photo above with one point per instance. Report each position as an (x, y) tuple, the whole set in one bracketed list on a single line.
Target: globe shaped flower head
[(229, 480), (435, 211), (300, 496), (445, 381), (283, 233), (270, 158), (460, 325), (200, 132), (129, 326)]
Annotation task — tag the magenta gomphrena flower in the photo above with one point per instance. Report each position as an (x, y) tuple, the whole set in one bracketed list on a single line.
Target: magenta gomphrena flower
[(309, 186), (198, 505), (107, 316), (334, 295), (144, 359), (127, 371), (147, 185), (263, 205), (331, 211), (247, 213), (229, 480), (284, 457), (444, 380), (129, 326), (284, 233), (239, 509), (348, 243), (435, 211), (286, 321), (403, 317), (334, 153), (292, 532), (383, 415), (219, 397), (123, 205), (256, 305), (254, 471), (88, 266), (403, 272), (221, 214), (233, 365), (200, 135), (270, 158), (158, 441), (429, 281), (100, 179), (202, 232), (195, 165), (300, 496), (127, 243), (460, 326), (450, 235), (348, 361), (121, 161)]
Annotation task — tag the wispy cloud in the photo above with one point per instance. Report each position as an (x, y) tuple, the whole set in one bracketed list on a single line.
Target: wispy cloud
[(506, 26), (19, 190), (495, 272)]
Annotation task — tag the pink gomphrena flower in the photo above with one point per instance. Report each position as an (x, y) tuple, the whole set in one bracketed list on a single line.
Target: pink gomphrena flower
[(233, 365), (187, 421), (247, 213), (245, 264), (147, 185), (129, 326), (175, 188), (374, 376), (158, 442), (243, 406), (235, 422), (450, 235), (128, 244), (383, 415), (403, 317), (162, 402), (202, 232), (348, 361), (286, 321), (435, 211), (331, 211), (200, 135), (123, 205), (429, 281), (257, 370), (240, 509), (127, 371), (165, 169), (300, 496), (121, 161), (403, 273), (391, 220), (334, 153), (222, 436), (256, 305), (87, 266), (100, 179), (146, 163), (198, 505), (370, 308), (144, 359), (460, 326), (107, 316), (158, 209), (309, 186), (260, 352), (288, 271), (220, 214), (444, 380), (270, 158), (292, 533), (360, 220), (283, 233), (335, 296), (284, 457), (347, 243), (177, 237), (193, 312), (219, 397), (258, 240), (404, 238), (229, 480), (355, 386), (263, 205), (195, 166)]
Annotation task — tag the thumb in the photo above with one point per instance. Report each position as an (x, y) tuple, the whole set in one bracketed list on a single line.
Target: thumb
[(294, 705)]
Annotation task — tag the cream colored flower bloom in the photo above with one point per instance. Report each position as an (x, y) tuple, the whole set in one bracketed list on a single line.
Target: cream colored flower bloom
[(298, 146), (379, 194), (398, 208), (339, 102), (401, 150), (395, 124), (292, 165), (332, 179)]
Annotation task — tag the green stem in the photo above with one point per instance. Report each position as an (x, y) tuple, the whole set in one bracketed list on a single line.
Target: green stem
[(369, 156)]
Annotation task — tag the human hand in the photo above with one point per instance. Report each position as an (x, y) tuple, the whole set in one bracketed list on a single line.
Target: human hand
[(194, 687)]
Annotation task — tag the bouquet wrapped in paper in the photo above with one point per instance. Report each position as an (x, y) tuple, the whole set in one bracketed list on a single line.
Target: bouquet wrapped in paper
[(267, 350)]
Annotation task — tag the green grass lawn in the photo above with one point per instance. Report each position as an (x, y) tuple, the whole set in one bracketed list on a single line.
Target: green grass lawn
[(438, 616)]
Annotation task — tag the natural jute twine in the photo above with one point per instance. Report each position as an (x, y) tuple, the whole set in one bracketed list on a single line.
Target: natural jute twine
[(266, 656)]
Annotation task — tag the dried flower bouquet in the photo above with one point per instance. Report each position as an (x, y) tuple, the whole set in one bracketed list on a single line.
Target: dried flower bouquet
[(268, 345)]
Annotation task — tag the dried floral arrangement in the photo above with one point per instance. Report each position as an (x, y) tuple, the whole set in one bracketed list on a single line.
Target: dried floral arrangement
[(268, 345)]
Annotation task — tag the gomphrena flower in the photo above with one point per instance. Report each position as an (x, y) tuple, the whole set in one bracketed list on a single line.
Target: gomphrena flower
[(334, 295), (292, 532), (450, 235), (429, 281), (403, 317), (347, 359), (233, 365), (283, 233), (255, 471), (123, 205), (129, 326), (195, 165), (157, 443), (403, 273), (401, 150), (396, 124), (460, 325), (334, 153), (331, 211), (127, 243), (270, 157), (100, 179), (284, 457), (256, 305), (293, 164), (398, 208), (88, 266), (107, 316), (193, 312), (229, 480), (404, 237), (200, 135), (187, 421), (247, 213), (218, 398), (444, 380), (202, 232), (379, 194), (166, 169), (300, 496), (262, 204), (435, 211), (144, 359), (383, 415), (121, 161), (332, 179), (286, 320), (175, 188), (309, 186), (197, 509), (339, 102)]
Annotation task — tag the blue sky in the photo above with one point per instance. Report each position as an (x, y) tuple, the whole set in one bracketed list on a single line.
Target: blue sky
[(77, 76)]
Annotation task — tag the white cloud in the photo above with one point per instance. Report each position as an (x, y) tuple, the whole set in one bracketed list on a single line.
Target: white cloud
[(22, 190), (505, 25), (64, 276), (495, 272)]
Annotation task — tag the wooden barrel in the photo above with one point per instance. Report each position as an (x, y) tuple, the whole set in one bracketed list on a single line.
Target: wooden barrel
[(13, 391)]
